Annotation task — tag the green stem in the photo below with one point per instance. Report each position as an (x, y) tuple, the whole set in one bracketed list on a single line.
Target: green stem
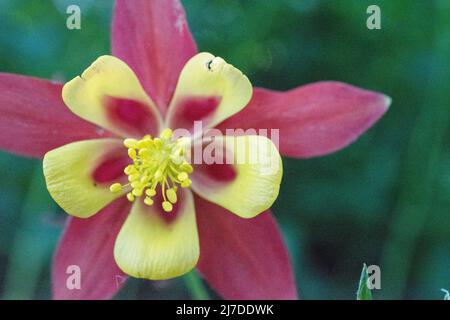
[(195, 286)]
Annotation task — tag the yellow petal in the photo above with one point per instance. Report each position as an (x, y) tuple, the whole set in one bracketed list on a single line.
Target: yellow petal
[(109, 94), (69, 171), (152, 248), (257, 175), (209, 89)]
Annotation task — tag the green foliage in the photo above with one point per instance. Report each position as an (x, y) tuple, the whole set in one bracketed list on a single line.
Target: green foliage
[(363, 292)]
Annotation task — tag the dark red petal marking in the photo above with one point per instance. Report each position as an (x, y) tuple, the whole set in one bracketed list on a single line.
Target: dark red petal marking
[(156, 45), (131, 115), (110, 169), (190, 109), (156, 208), (215, 173)]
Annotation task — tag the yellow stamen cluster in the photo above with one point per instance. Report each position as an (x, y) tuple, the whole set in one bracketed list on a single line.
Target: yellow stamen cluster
[(159, 161)]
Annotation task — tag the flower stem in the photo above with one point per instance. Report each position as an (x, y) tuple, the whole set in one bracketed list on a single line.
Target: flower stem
[(195, 286)]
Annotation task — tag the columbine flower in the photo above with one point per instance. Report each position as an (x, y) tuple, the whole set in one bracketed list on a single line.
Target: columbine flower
[(130, 185), (159, 237)]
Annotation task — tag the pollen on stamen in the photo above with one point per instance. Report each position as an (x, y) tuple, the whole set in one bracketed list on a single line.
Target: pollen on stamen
[(167, 206), (115, 187), (157, 163)]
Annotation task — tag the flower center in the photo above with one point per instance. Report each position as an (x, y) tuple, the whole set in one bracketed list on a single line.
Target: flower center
[(160, 161)]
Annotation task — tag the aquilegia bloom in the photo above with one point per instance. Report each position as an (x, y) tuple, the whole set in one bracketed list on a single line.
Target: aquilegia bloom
[(134, 208), (159, 237)]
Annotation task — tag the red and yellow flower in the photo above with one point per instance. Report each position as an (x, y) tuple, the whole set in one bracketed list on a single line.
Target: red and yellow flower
[(138, 205), (159, 237)]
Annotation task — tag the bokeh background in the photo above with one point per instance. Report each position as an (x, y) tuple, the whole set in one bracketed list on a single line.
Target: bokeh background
[(384, 200)]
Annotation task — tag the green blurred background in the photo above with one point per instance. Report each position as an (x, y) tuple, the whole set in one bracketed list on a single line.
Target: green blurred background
[(384, 200)]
